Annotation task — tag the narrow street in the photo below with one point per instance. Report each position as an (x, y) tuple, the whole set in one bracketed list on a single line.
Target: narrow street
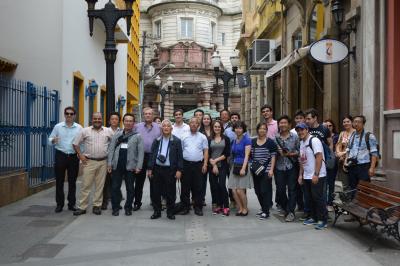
[(32, 234)]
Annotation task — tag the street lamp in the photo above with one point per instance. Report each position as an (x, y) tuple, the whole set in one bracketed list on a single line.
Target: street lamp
[(91, 90), (337, 12), (163, 91), (224, 75), (110, 16), (121, 102)]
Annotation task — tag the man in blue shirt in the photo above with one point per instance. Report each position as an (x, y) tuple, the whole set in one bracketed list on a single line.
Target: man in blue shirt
[(62, 137), (361, 157)]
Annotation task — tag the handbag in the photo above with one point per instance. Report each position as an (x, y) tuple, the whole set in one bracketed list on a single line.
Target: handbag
[(237, 168), (258, 168)]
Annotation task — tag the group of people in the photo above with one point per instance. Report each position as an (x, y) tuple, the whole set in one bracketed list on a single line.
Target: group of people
[(304, 162)]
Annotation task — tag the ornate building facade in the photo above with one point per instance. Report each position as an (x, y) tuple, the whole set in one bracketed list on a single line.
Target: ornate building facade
[(186, 34)]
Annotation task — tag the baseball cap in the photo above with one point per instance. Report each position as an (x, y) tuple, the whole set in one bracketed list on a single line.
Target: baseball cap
[(301, 125)]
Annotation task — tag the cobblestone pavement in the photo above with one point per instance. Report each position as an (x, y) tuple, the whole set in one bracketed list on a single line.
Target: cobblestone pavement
[(32, 234)]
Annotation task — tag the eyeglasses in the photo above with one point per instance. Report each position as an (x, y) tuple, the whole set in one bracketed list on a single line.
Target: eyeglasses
[(69, 114), (329, 125)]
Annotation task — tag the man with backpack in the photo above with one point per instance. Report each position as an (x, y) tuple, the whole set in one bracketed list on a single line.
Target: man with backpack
[(313, 176), (362, 153)]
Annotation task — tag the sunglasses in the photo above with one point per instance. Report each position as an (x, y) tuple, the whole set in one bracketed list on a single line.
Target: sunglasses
[(69, 114)]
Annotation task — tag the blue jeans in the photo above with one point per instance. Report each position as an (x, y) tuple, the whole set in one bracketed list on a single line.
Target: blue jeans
[(286, 179)]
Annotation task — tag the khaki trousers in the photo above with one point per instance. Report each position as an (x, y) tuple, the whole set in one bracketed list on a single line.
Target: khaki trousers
[(92, 172)]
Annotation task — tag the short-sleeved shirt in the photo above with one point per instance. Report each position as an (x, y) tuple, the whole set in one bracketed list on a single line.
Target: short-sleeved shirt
[(95, 142), (307, 157), (148, 134), (360, 150), (193, 146), (292, 144), (263, 153), (238, 149), (320, 132), (181, 131)]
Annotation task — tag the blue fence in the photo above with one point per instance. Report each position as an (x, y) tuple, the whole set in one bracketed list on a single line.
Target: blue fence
[(27, 115)]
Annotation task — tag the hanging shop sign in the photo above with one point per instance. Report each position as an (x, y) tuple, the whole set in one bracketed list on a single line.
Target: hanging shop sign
[(328, 51)]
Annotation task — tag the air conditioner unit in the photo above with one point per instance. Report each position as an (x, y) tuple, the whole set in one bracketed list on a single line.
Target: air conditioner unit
[(263, 53), (249, 58)]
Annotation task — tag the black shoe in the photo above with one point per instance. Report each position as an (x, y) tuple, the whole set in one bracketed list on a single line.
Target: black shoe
[(72, 208), (136, 207), (128, 212), (96, 210), (115, 213), (104, 206), (58, 209), (79, 212), (184, 212), (155, 215), (198, 212), (171, 217)]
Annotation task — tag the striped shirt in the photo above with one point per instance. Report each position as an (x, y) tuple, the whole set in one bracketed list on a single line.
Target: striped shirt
[(95, 142), (263, 154)]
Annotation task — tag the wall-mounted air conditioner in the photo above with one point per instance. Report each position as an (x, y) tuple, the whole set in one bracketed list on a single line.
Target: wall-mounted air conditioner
[(263, 53)]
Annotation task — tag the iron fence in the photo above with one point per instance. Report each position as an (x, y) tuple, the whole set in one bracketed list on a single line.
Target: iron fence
[(27, 115)]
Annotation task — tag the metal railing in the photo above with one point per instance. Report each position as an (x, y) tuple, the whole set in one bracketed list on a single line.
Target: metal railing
[(27, 115)]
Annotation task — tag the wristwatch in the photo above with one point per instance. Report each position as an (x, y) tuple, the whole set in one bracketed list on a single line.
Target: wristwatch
[(316, 174)]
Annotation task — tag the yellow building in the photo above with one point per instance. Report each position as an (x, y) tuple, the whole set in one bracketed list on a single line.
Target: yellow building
[(261, 20), (133, 58)]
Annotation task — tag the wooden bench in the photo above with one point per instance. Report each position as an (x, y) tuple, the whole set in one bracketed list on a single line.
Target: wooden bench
[(377, 206)]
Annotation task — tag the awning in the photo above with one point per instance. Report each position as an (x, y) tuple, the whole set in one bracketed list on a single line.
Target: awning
[(291, 59), (7, 65)]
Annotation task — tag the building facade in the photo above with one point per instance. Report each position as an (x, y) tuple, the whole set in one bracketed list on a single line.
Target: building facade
[(186, 34), (363, 83), (57, 51)]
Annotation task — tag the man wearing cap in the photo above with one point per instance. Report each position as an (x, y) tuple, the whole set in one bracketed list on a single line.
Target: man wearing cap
[(313, 175)]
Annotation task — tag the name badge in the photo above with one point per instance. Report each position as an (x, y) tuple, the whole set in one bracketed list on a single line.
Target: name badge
[(124, 145)]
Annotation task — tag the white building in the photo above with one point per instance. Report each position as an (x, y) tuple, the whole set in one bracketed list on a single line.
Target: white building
[(50, 42), (186, 33)]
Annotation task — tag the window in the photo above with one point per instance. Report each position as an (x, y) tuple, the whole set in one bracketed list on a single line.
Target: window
[(213, 32), (186, 28), (223, 38), (157, 29)]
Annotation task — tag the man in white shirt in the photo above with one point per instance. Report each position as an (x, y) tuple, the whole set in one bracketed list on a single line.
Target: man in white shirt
[(180, 129), (313, 175), (195, 158)]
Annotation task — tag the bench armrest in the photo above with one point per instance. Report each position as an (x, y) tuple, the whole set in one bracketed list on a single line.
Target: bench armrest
[(391, 210), (377, 212), (345, 196)]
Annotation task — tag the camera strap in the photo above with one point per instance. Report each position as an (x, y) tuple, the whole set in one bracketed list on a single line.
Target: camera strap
[(160, 150), (359, 142)]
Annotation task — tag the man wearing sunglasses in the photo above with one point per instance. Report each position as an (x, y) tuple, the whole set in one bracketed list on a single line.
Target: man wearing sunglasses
[(62, 137)]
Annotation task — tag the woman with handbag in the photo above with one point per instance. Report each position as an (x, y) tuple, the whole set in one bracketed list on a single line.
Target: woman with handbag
[(240, 179), (263, 157), (341, 147), (219, 151)]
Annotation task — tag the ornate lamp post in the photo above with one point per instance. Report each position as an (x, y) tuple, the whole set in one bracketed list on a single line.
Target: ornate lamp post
[(110, 16), (163, 91), (337, 12), (225, 76)]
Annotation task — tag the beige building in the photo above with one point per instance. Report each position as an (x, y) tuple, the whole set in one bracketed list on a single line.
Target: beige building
[(186, 34)]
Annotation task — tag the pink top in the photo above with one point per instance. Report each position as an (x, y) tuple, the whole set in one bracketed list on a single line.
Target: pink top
[(272, 129)]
